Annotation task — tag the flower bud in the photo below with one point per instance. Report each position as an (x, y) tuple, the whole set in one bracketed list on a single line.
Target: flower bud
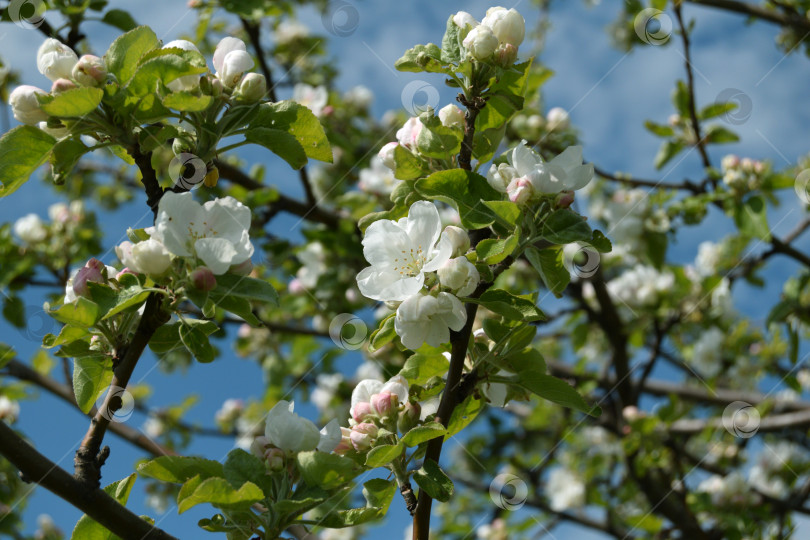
[(244, 268), (151, 257), (505, 54), (363, 435), (557, 119), (30, 229), (564, 199), (361, 411), (506, 24), (231, 60), (62, 85), (94, 270), (481, 43), (56, 60), (520, 190), (274, 459), (25, 105), (386, 154), (458, 238), (203, 278), (123, 272), (459, 275), (409, 417), (385, 403), (345, 443), (252, 88), (462, 19), (499, 176), (90, 71), (451, 116), (730, 162)]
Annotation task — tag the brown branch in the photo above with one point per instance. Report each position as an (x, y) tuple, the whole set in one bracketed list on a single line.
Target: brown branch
[(791, 20), (778, 422), (22, 372), (36, 468), (640, 182), (252, 29), (690, 83)]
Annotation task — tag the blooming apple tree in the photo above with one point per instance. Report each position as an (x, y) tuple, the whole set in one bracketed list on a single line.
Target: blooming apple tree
[(432, 261)]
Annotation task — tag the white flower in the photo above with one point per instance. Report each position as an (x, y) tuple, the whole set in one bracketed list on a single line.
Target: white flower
[(90, 71), (564, 490), (312, 97), (153, 427), (30, 229), (186, 82), (289, 31), (408, 133), (215, 232), (386, 154), (462, 19), (230, 411), (481, 42), (327, 386), (641, 285), (708, 257), (25, 106), (9, 410), (231, 60), (291, 433), (429, 319), (526, 170), (707, 353), (400, 252), (557, 119), (507, 25), (378, 178), (313, 260), (359, 96), (366, 388), (451, 116), (147, 257), (459, 275), (56, 60)]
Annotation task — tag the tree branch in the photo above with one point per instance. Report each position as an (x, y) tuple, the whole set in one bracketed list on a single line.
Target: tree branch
[(791, 20), (34, 467)]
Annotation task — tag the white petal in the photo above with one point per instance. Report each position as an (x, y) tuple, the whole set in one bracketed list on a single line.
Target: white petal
[(442, 254), (175, 212), (384, 242), (216, 253), (423, 225), (570, 157), (385, 285), (524, 159), (330, 436), (452, 311), (364, 390), (225, 46)]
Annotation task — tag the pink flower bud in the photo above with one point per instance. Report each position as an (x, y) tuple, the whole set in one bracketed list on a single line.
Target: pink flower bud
[(62, 85), (565, 199), (363, 435), (94, 270), (361, 411), (506, 54), (124, 271), (345, 443), (520, 190), (203, 278), (384, 403), (242, 269), (90, 71), (274, 459), (327, 111)]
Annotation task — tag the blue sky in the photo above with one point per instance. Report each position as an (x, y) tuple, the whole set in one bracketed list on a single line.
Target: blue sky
[(608, 93)]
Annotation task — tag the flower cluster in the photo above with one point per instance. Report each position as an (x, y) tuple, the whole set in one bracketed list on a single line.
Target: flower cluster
[(405, 256), (498, 35), (526, 176), (290, 433), (742, 174)]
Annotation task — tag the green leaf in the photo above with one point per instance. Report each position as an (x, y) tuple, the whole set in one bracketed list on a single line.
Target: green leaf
[(464, 190), (507, 212), (601, 242), (420, 368), (752, 218), (451, 43), (378, 494), (246, 287), (423, 433), (464, 414), (153, 136), (73, 103), (565, 226), (294, 129), (126, 51), (437, 141), (196, 341), (22, 151), (432, 479), (179, 469), (717, 134), (716, 109), (680, 98), (89, 529), (408, 166), (241, 467), (187, 101), (495, 250), (383, 335), (526, 360), (326, 471), (90, 376), (383, 454), (509, 305), (66, 153), (421, 58), (218, 492), (505, 98), (81, 312), (119, 19), (668, 150), (304, 498), (659, 129), (67, 334), (166, 338), (555, 390), (112, 302), (162, 66), (549, 264)]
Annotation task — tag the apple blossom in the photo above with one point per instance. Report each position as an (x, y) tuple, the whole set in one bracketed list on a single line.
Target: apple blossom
[(55, 60), (385, 403), (62, 85), (565, 489), (292, 433), (458, 238), (289, 31), (203, 279), (359, 96), (362, 395), (451, 116), (409, 132), (462, 19), (459, 275), (345, 443), (231, 60), (312, 97), (481, 42), (313, 265), (363, 435), (252, 88), (25, 106), (386, 154), (526, 174), (429, 319), (215, 232), (70, 293), (30, 229), (557, 119), (92, 271), (90, 70), (361, 411), (185, 83), (506, 54), (400, 252), (507, 25), (378, 178), (148, 257), (9, 410)]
